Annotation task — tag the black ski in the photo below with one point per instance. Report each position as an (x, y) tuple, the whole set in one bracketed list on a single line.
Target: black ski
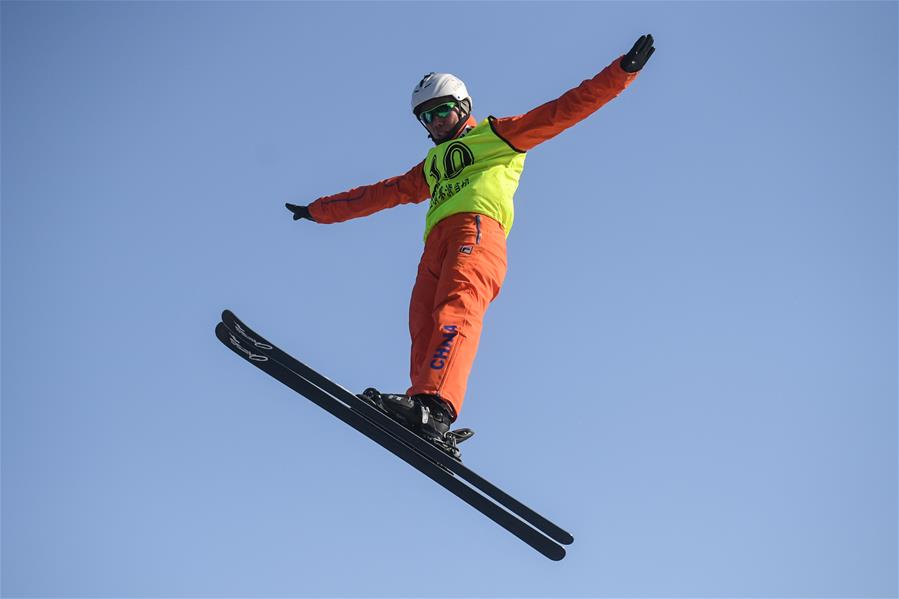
[(414, 458), (265, 347)]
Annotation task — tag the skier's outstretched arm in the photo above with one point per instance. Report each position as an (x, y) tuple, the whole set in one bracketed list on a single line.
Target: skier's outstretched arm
[(525, 131), (368, 199)]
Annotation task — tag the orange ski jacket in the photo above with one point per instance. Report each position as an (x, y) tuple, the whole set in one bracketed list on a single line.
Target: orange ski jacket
[(521, 132)]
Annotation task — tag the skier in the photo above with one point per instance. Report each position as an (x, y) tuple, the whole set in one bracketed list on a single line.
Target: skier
[(470, 177)]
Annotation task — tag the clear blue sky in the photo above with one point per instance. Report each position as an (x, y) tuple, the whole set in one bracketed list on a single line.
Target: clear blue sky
[(692, 365)]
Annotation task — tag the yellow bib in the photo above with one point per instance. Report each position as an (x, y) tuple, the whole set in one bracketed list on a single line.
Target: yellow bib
[(477, 172)]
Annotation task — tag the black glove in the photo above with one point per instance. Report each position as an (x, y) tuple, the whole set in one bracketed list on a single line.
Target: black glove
[(634, 60), (299, 211)]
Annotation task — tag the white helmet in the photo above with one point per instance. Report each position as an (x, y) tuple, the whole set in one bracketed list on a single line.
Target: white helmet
[(438, 85)]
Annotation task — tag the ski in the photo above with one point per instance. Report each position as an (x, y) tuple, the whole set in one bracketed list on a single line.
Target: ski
[(267, 348), (376, 433)]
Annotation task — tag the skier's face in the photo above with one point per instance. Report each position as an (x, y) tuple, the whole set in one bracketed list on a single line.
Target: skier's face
[(440, 126)]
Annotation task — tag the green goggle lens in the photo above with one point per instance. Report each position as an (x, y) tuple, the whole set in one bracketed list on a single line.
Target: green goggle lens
[(441, 111)]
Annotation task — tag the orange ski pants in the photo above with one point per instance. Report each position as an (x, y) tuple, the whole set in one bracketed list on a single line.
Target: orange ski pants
[(460, 273)]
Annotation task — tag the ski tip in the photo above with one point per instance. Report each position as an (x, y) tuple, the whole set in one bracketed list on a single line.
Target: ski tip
[(227, 314), (221, 331)]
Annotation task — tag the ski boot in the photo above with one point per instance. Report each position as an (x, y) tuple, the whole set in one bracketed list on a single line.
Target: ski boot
[(426, 415)]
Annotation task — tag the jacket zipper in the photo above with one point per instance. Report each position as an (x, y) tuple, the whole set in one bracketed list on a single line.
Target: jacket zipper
[(477, 220)]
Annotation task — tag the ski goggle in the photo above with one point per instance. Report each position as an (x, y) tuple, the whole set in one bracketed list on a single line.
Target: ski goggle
[(441, 111)]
